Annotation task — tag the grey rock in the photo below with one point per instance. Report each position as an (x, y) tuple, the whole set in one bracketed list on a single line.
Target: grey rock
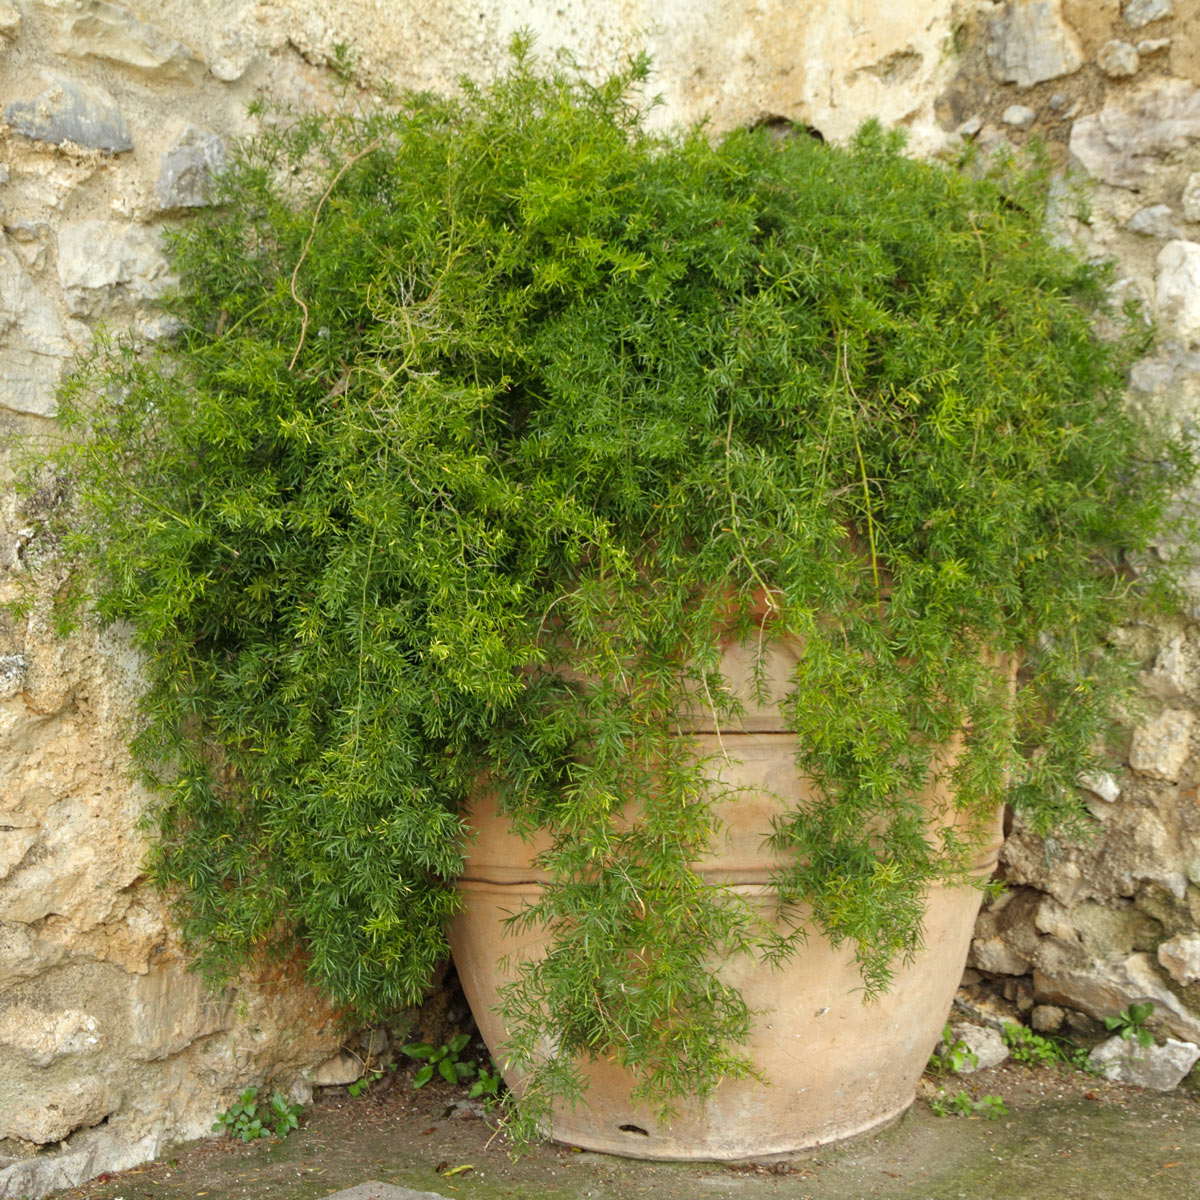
[(985, 1044), (1172, 380), (112, 34), (102, 264), (1030, 43), (1178, 289), (1153, 221), (188, 167), (1047, 1018), (970, 127), (1180, 957), (1190, 200), (1102, 785), (1125, 142), (1117, 59), (1018, 115), (1058, 102), (1148, 46), (1160, 1068), (1005, 938), (12, 673), (341, 1069), (33, 344), (1161, 746), (1168, 679), (69, 111), (1068, 978), (45, 1173), (1102, 930), (1142, 12)]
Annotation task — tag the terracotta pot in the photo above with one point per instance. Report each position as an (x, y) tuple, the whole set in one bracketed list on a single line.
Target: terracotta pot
[(834, 1065)]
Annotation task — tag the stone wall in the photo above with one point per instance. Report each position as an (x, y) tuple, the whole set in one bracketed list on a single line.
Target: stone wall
[(1088, 928), (113, 118)]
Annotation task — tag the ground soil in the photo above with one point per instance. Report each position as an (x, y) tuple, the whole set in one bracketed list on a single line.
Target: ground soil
[(1066, 1135)]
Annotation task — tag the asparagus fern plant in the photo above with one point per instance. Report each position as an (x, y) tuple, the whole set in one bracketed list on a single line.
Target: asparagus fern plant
[(487, 419)]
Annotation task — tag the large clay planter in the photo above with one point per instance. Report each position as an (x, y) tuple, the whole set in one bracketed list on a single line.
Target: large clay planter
[(834, 1066)]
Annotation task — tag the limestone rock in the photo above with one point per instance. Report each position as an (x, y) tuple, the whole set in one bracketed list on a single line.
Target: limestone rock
[(1018, 115), (342, 1068), (44, 1037), (1180, 956), (23, 954), (986, 1044), (1160, 1068), (48, 1116), (1006, 938), (1117, 59), (1168, 680), (33, 343), (1068, 978), (12, 671), (1161, 746), (1142, 12), (188, 168), (170, 1009), (1125, 142), (1102, 785), (1047, 1018), (1190, 201), (106, 263), (112, 34), (69, 111), (45, 1173), (1030, 43), (1100, 929), (10, 21), (1149, 46)]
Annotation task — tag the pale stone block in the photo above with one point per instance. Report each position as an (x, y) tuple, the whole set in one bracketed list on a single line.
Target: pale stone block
[(1117, 59), (1160, 1068), (1031, 43), (1162, 745), (1180, 956)]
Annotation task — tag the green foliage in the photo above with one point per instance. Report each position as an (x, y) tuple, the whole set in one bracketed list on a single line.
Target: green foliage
[(1036, 1050), (442, 1059), (487, 1086), (488, 421), (248, 1120), (361, 1086), (1131, 1023), (962, 1104), (951, 1054)]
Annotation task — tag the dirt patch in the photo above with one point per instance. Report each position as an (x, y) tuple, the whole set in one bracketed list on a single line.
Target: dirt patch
[(1066, 1135)]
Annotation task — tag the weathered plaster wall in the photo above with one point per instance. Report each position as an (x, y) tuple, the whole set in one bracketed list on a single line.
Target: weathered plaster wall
[(113, 114)]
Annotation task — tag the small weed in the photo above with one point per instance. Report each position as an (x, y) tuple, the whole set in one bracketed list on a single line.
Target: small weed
[(951, 1055), (1131, 1023), (443, 1059), (1035, 1050), (487, 1087), (359, 1086), (247, 1119), (961, 1104)]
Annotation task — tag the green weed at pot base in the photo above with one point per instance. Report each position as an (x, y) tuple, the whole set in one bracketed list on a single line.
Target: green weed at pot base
[(489, 419)]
